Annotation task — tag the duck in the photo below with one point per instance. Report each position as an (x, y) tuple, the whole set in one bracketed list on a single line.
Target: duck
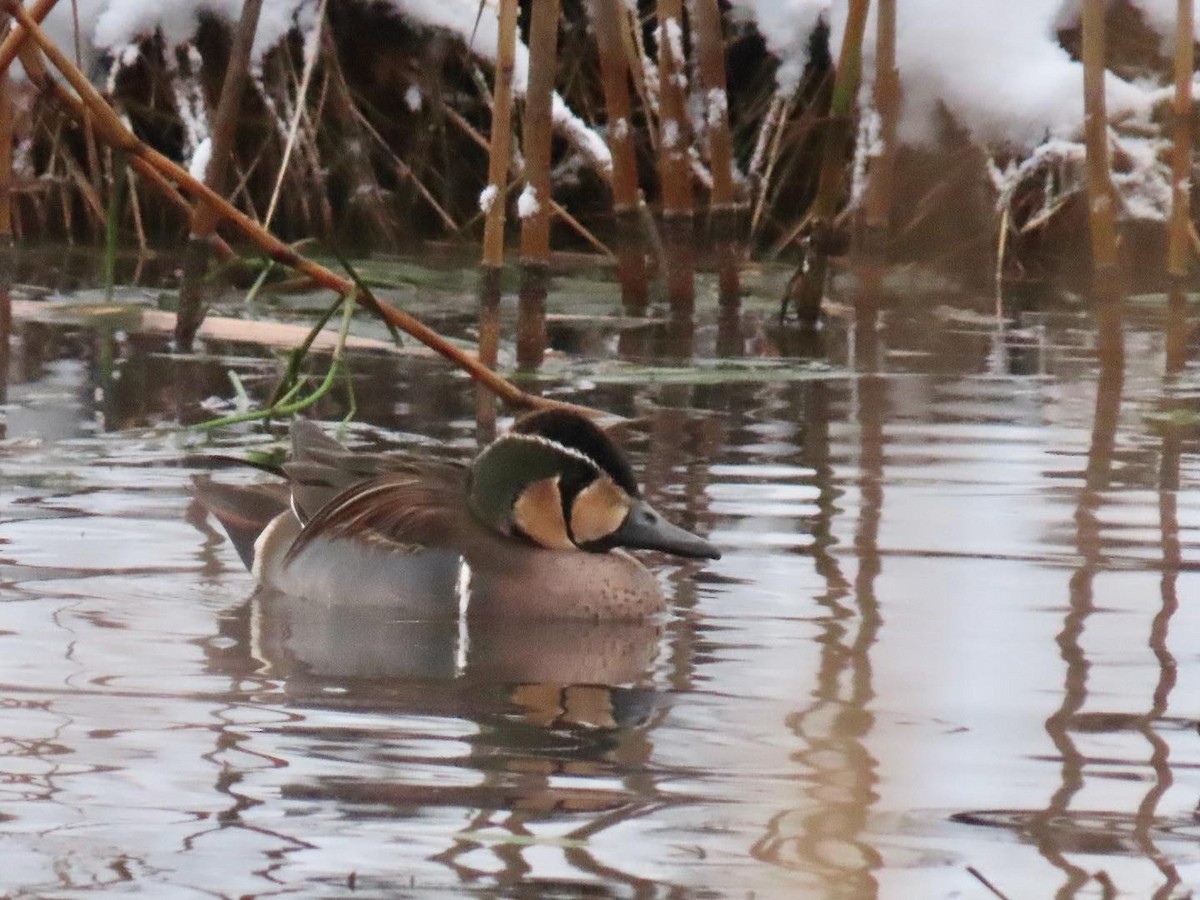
[(538, 525)]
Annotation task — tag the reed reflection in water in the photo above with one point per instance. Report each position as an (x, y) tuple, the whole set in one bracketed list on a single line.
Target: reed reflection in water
[(948, 635)]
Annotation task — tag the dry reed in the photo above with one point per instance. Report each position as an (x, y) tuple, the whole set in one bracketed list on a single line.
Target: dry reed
[(675, 170), (1101, 202), (534, 208), (808, 286), (607, 19), (205, 217), (723, 209)]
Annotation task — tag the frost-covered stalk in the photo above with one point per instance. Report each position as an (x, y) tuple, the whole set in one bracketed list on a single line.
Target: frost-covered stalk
[(1181, 152), (1101, 205), (607, 20), (807, 286), (710, 48), (673, 160), (533, 207), (492, 202), (887, 105), (204, 220)]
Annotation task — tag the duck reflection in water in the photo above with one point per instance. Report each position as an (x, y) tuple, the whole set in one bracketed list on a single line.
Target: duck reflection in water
[(560, 673)]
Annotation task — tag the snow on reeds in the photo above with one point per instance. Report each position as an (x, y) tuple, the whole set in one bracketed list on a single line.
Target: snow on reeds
[(1006, 75)]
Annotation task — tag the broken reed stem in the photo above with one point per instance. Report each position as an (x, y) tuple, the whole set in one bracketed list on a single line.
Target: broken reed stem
[(807, 289), (722, 212), (500, 145), (887, 105), (535, 217), (1179, 241), (204, 219), (145, 159), (1101, 205)]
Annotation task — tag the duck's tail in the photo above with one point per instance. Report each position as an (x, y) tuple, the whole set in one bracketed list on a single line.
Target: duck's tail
[(244, 510)]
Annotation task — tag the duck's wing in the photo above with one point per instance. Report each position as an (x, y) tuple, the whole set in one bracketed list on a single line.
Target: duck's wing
[(420, 506), (320, 468)]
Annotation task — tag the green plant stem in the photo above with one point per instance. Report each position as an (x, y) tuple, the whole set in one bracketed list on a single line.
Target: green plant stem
[(282, 405)]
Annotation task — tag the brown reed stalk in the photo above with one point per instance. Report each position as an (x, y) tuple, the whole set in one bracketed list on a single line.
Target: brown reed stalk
[(146, 159), (500, 145), (7, 259), (607, 19), (1179, 240), (15, 38), (887, 104), (723, 209), (807, 287), (499, 162), (673, 159), (535, 221), (6, 160), (204, 220), (1101, 202)]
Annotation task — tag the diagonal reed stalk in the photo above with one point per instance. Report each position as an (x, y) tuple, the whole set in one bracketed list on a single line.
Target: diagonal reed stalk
[(145, 159)]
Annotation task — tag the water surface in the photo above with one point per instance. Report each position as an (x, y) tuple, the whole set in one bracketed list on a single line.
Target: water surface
[(949, 640)]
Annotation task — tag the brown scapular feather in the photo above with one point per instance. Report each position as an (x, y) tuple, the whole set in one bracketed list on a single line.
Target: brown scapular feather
[(408, 509)]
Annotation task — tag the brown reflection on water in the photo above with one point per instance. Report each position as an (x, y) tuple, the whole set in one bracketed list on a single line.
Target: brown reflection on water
[(829, 836), (1059, 830), (1048, 826)]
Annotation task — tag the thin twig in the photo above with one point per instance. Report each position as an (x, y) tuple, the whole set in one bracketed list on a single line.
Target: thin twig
[(987, 884)]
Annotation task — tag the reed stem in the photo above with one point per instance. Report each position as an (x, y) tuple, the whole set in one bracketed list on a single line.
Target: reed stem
[(723, 209), (674, 164), (499, 162), (887, 105), (1101, 205), (535, 212), (807, 287), (1179, 239), (607, 21), (204, 219)]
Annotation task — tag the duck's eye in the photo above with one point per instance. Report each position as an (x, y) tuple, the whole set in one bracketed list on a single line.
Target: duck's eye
[(598, 511), (538, 514)]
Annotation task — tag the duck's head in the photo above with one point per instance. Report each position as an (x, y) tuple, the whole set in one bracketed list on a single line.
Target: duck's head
[(559, 481)]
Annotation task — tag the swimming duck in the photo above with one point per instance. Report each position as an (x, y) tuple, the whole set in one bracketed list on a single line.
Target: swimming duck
[(542, 519)]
